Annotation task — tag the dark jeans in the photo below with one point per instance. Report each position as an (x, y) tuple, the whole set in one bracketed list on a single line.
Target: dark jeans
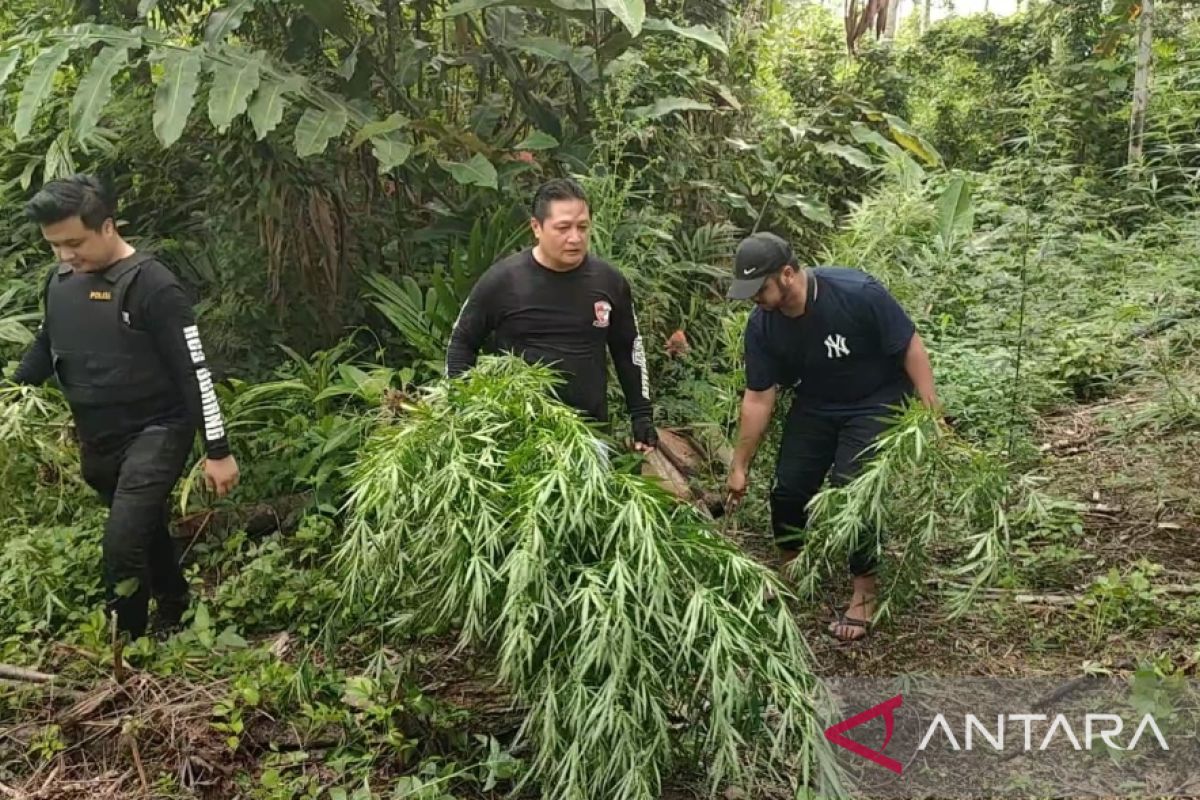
[(135, 479), (812, 444)]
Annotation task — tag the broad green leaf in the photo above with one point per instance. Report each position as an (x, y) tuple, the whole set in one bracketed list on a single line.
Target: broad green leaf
[(329, 14), (346, 70), (813, 209), (37, 86), (817, 211), (394, 122), (176, 94), (503, 24), (864, 135), (850, 154), (89, 33), (59, 162), (316, 127), (631, 13), (266, 110), (225, 21), (911, 141), (231, 640), (954, 210), (231, 89), (360, 692), (8, 62), (537, 140), (546, 47), (581, 60), (476, 172), (390, 150), (201, 620), (699, 33), (145, 7), (95, 90), (669, 105), (12, 332)]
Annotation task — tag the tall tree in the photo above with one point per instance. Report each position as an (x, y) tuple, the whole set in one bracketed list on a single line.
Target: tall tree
[(873, 15), (893, 18), (1141, 84)]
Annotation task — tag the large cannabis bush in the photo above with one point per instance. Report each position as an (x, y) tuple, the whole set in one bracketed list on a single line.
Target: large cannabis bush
[(616, 614)]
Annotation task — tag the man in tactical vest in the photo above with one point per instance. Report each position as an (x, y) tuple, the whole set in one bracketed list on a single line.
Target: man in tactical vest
[(120, 336)]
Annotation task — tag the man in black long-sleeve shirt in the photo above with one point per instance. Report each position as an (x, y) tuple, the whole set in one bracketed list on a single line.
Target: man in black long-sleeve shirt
[(120, 336), (557, 304)]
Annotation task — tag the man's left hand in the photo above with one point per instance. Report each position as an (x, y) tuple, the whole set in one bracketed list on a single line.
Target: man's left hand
[(221, 474)]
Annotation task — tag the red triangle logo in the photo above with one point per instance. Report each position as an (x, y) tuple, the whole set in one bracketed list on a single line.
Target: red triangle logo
[(886, 709)]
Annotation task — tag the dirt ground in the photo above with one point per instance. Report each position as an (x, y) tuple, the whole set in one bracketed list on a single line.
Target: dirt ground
[(1141, 496)]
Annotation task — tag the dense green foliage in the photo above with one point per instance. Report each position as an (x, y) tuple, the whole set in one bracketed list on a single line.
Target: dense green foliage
[(331, 179)]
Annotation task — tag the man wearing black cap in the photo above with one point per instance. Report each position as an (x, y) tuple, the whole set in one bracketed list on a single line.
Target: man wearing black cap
[(848, 350)]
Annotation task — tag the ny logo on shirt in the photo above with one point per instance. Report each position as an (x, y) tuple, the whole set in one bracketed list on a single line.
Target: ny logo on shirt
[(835, 346)]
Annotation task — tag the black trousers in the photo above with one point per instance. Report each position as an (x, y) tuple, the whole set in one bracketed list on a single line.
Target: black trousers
[(813, 445), (135, 479)]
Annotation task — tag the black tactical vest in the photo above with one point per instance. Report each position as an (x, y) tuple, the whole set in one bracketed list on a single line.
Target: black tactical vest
[(98, 358)]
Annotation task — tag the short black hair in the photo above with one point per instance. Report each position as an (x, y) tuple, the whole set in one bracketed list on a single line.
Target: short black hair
[(83, 196), (557, 189)]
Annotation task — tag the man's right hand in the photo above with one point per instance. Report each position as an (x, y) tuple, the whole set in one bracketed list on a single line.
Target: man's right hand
[(221, 474), (735, 486)]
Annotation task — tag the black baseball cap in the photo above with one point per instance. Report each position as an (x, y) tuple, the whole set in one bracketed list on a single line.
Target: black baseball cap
[(758, 256)]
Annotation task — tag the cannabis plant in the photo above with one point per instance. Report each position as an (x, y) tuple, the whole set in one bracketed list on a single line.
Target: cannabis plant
[(38, 457), (938, 500), (638, 639)]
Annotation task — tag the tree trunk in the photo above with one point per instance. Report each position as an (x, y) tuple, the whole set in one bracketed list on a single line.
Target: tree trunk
[(1141, 87), (893, 17), (926, 12)]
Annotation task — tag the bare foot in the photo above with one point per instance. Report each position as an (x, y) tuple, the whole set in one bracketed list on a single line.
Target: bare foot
[(855, 623)]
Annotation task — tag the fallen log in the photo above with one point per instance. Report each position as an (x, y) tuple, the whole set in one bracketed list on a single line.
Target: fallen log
[(680, 452), (22, 675), (281, 514), (659, 467), (674, 463)]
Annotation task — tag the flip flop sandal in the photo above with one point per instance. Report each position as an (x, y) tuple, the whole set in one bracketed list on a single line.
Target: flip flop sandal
[(849, 622)]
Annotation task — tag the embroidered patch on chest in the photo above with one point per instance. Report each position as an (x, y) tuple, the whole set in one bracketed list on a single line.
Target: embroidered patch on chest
[(100, 296), (603, 311)]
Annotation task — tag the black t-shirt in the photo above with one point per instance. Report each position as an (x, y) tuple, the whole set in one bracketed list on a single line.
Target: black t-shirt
[(564, 319), (844, 355)]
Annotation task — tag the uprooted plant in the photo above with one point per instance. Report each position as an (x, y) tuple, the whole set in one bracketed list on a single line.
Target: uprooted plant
[(931, 493), (613, 612)]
